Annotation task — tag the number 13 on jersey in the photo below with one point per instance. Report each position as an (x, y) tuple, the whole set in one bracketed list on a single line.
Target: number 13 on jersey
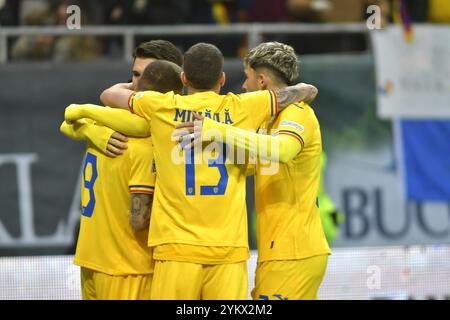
[(208, 190)]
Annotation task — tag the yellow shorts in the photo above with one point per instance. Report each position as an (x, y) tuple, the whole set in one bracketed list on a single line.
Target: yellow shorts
[(289, 279), (101, 286), (175, 280)]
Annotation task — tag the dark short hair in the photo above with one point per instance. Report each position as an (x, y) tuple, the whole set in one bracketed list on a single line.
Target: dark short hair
[(159, 50), (203, 66), (162, 76)]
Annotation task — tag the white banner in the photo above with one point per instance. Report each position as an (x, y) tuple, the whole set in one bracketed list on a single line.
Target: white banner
[(413, 79), (352, 273)]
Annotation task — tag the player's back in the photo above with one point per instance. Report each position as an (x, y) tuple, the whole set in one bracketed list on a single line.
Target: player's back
[(107, 242), (199, 198), (288, 218)]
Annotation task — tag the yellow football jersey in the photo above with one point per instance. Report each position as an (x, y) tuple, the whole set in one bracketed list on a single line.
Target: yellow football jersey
[(107, 242), (199, 204), (287, 209)]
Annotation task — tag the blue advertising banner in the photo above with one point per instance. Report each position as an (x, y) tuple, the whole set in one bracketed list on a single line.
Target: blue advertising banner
[(426, 159)]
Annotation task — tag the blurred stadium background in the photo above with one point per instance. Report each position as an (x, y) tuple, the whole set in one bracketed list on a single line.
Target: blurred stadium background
[(383, 106)]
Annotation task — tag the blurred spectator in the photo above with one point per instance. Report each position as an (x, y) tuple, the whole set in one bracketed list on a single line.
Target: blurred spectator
[(221, 12), (80, 48), (75, 48), (28, 7), (308, 10), (211, 11), (139, 12), (346, 11), (262, 10), (38, 47), (92, 10), (9, 12), (334, 10), (44, 47), (142, 12)]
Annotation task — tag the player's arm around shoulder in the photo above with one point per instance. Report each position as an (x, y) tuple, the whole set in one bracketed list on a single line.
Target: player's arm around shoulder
[(117, 96), (299, 92)]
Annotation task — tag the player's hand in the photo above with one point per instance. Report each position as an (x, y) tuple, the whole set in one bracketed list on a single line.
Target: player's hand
[(189, 133), (116, 145)]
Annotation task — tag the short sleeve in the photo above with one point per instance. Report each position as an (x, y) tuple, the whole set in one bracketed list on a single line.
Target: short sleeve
[(143, 177), (298, 121), (260, 105)]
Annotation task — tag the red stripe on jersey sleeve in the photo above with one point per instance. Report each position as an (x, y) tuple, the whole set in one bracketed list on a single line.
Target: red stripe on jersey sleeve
[(141, 191), (130, 103), (293, 134)]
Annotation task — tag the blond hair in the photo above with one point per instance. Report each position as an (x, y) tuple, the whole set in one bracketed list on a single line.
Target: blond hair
[(277, 57)]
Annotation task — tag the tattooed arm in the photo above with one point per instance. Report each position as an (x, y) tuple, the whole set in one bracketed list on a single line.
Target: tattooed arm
[(299, 92), (141, 206)]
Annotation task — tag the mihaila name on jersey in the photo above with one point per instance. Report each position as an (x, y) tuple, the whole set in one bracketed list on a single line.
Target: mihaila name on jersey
[(182, 115)]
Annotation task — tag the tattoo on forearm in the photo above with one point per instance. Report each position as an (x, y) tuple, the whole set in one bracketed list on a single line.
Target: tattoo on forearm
[(310, 94), (141, 205), (293, 94)]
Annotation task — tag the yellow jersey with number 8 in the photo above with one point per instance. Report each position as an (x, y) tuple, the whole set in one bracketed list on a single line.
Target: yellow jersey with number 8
[(106, 241)]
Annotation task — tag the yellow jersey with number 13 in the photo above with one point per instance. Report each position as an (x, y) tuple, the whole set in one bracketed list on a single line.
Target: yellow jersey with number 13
[(199, 200)]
